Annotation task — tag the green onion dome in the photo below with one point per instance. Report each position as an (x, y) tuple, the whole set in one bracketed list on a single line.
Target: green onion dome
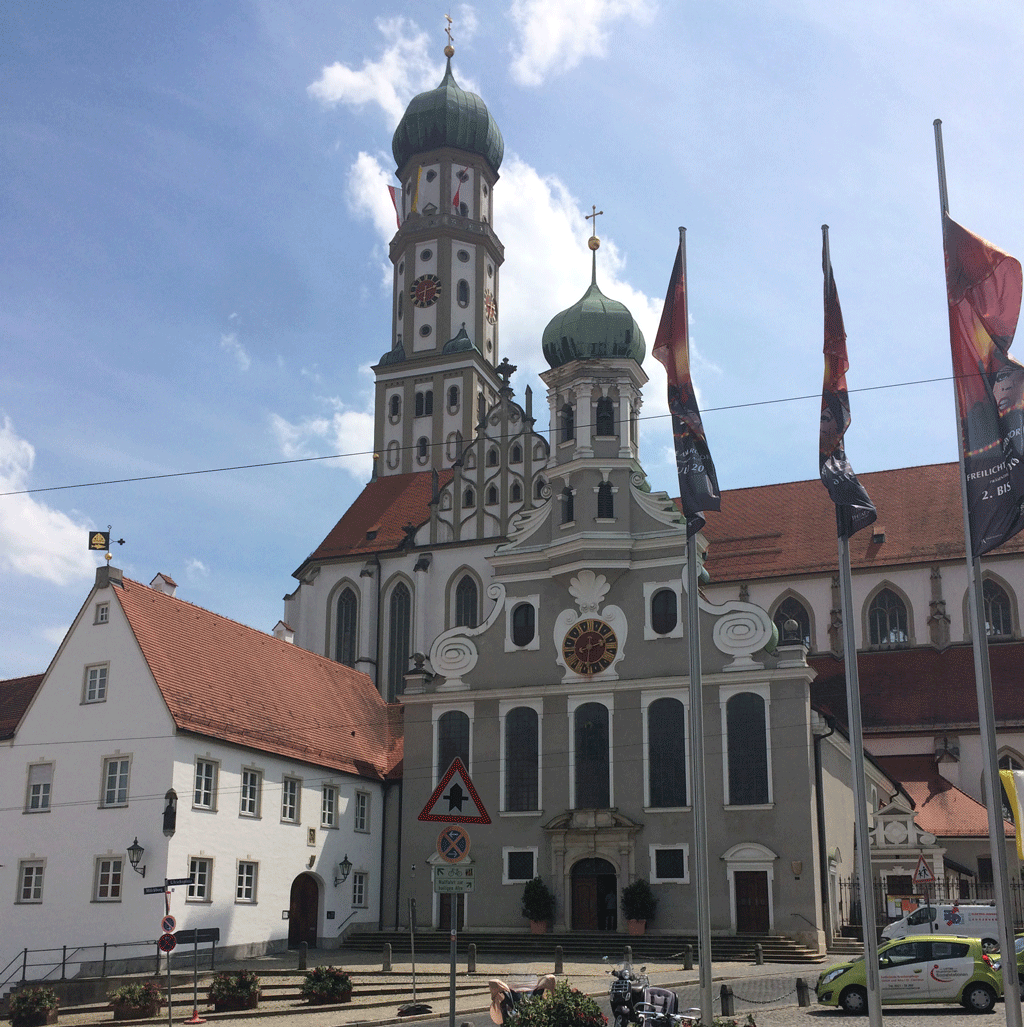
[(448, 116), (593, 328)]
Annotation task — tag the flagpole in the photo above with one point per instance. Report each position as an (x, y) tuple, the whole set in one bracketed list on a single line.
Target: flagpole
[(862, 834), (986, 708), (701, 870)]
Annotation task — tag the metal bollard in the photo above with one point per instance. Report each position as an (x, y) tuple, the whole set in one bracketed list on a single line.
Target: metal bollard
[(471, 968), (303, 947), (758, 954), (687, 957), (558, 960), (803, 993), (727, 1002), (627, 955), (386, 968)]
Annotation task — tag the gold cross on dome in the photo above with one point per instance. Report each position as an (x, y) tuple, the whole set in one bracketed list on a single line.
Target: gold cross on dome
[(448, 28), (597, 213)]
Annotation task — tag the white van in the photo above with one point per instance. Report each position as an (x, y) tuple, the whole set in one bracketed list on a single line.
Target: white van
[(949, 918)]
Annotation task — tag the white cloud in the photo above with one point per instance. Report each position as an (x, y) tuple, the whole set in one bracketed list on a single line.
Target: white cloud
[(230, 344), (35, 540), (343, 431), (556, 35), (195, 570), (368, 195)]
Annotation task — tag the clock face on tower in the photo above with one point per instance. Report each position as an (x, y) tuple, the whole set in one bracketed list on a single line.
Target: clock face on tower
[(490, 307), (589, 646), (425, 290)]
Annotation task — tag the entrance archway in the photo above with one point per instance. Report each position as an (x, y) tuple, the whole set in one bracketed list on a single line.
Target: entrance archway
[(594, 895), (303, 911)]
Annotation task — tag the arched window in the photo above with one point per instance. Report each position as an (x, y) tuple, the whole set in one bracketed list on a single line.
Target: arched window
[(462, 293), (453, 398), (395, 407), (666, 752), (516, 456), (605, 419), (793, 609), (516, 492), (492, 458), (425, 403), (523, 624), (466, 602), (521, 759), (887, 619), (452, 740), (392, 457), (664, 611), (593, 790), (567, 423), (345, 636), (468, 499), (568, 506), (605, 500), (423, 449), (997, 609), (538, 489), (747, 749), (492, 495), (399, 638)]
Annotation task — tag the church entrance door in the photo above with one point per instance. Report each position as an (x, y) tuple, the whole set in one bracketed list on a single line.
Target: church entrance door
[(303, 907), (594, 896), (752, 914)]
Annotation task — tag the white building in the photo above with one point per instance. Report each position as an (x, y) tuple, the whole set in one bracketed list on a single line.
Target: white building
[(235, 758)]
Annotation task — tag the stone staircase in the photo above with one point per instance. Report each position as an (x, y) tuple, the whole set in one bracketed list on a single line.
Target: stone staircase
[(585, 945)]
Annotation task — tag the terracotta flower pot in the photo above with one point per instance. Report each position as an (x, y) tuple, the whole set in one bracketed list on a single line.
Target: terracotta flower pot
[(636, 926), (36, 1020), (538, 927)]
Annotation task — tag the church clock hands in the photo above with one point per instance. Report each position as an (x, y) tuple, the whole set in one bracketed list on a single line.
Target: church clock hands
[(589, 646), (425, 290)]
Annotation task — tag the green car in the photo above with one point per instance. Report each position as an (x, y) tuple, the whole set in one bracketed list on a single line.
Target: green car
[(928, 969)]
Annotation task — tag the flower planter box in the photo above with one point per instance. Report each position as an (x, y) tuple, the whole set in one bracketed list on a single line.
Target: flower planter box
[(127, 1011), (538, 927), (636, 927), (233, 1005), (36, 1019)]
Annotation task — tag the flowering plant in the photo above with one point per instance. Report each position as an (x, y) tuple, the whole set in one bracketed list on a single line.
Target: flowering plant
[(230, 987), (326, 983), (564, 1007), (136, 993), (32, 1006)]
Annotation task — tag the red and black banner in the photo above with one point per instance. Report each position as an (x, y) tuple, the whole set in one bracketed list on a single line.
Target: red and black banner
[(698, 481), (983, 285), (854, 510)]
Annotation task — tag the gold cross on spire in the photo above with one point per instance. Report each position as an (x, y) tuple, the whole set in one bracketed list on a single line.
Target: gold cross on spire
[(449, 49)]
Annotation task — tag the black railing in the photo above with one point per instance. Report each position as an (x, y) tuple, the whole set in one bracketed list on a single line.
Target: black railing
[(887, 903), (35, 960)]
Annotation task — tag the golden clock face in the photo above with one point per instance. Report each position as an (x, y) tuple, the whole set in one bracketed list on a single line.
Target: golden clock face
[(490, 307), (425, 290), (589, 646)]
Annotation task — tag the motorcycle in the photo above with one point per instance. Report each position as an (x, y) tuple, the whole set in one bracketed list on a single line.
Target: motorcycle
[(627, 993)]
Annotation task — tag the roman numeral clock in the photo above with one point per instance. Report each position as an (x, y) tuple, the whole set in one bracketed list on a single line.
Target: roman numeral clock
[(590, 646), (591, 640)]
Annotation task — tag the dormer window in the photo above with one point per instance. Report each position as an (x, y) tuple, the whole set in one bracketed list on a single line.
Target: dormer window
[(102, 613)]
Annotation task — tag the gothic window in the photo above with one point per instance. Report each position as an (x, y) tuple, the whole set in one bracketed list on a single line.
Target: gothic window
[(521, 759), (452, 740), (568, 507), (466, 602), (792, 609), (666, 752), (605, 501), (468, 499), (593, 787), (462, 293), (605, 420), (345, 644), (524, 624), (517, 492), (887, 619), (567, 423), (453, 398), (538, 489), (997, 609), (664, 611), (492, 495), (395, 407), (492, 458), (516, 456), (747, 748), (399, 638), (423, 449)]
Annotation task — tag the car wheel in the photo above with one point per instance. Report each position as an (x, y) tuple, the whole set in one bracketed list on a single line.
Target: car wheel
[(989, 945), (854, 1001), (979, 998)]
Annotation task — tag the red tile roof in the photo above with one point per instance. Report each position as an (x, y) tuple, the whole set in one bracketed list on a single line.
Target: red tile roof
[(376, 521), (224, 680), (15, 696), (922, 689), (789, 529), (942, 809)]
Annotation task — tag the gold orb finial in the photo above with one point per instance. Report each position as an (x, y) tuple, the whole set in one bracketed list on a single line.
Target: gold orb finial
[(594, 243)]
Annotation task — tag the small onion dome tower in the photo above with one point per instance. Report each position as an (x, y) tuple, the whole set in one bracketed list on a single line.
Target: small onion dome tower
[(448, 116), (593, 328)]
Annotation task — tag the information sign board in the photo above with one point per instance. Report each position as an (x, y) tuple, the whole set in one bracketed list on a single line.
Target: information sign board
[(454, 879)]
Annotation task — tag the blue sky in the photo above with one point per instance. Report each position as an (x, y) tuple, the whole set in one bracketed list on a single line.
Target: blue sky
[(195, 224)]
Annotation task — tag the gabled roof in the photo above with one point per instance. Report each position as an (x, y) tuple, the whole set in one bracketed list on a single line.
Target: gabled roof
[(376, 521), (789, 529), (15, 696), (227, 681), (922, 689), (942, 809)]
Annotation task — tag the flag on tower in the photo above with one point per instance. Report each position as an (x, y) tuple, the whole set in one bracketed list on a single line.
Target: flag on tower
[(983, 285), (698, 480)]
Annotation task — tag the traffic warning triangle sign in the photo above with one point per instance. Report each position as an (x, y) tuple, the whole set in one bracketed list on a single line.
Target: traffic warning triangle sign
[(923, 874), (454, 800)]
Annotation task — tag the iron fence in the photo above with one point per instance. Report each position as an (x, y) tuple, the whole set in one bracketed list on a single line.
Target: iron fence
[(890, 906)]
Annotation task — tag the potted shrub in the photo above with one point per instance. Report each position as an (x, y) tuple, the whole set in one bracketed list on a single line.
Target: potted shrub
[(325, 984), (538, 905), (33, 1007), (136, 1000), (233, 991), (638, 903), (564, 1007)]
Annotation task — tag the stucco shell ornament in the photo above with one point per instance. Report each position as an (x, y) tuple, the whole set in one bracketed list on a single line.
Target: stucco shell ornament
[(588, 589)]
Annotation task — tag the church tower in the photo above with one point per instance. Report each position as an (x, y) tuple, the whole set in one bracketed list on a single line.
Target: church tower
[(438, 378)]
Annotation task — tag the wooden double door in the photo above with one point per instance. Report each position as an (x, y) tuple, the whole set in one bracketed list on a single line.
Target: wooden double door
[(594, 896), (752, 912)]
